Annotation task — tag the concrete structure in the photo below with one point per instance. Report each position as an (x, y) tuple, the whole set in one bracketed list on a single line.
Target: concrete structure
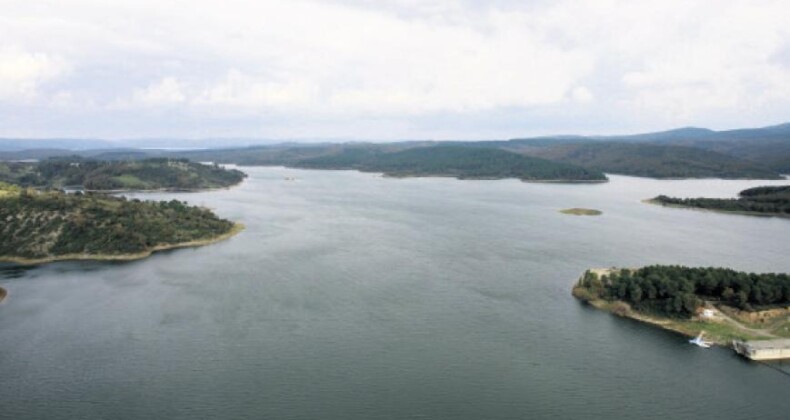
[(763, 349)]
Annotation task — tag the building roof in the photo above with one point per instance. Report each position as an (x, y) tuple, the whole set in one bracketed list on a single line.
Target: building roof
[(782, 343)]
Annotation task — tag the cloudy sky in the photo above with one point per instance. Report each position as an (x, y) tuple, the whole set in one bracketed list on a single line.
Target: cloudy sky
[(389, 69)]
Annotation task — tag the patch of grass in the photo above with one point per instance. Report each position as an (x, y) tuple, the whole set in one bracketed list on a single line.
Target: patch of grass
[(714, 331), (8, 190), (582, 212), (131, 182), (781, 329)]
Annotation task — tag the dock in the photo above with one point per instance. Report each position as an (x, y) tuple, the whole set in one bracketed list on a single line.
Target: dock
[(763, 349)]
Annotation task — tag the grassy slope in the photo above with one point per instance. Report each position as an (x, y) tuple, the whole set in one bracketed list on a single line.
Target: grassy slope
[(720, 333)]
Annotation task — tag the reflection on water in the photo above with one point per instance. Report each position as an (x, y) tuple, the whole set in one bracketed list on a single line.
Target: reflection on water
[(13, 271), (353, 296)]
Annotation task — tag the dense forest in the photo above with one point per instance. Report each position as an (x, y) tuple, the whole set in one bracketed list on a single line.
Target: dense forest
[(761, 153), (768, 201), (766, 147), (595, 155), (456, 161), (653, 160), (678, 291), (148, 174), (37, 224)]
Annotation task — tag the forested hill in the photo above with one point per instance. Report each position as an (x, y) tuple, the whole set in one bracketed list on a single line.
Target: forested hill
[(768, 147), (762, 201), (456, 161), (148, 174), (759, 153), (40, 226), (655, 161), (678, 291)]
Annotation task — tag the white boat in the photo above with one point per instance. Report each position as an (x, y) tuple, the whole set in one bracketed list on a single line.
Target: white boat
[(698, 340)]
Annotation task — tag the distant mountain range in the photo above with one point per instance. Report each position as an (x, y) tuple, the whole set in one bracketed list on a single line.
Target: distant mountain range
[(756, 153), (13, 144), (767, 146)]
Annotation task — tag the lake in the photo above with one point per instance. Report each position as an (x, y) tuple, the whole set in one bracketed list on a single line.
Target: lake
[(355, 296)]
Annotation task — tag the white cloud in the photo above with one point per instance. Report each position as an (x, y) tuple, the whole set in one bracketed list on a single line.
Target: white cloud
[(240, 90), (167, 91), (22, 73), (391, 62), (582, 95), (722, 61)]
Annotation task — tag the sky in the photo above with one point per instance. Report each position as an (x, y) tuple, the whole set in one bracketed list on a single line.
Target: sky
[(389, 69)]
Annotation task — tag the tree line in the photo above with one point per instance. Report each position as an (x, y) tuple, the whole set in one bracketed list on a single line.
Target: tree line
[(154, 173), (678, 291), (458, 161), (41, 224), (762, 200)]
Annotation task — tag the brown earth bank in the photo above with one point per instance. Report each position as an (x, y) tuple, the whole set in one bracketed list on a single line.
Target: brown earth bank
[(3, 294)]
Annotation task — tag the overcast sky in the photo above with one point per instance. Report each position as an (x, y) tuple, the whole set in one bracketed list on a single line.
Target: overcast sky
[(389, 69)]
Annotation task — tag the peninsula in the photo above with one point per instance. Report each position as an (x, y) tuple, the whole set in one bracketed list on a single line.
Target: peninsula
[(113, 175), (45, 226), (726, 304), (759, 201)]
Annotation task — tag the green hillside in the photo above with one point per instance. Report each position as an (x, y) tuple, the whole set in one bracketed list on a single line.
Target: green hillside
[(455, 161), (51, 225), (755, 153), (149, 174), (654, 160)]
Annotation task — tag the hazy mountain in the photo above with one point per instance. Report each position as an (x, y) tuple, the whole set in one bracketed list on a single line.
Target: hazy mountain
[(684, 152)]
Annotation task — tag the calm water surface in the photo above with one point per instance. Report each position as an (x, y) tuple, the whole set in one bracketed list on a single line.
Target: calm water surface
[(352, 296)]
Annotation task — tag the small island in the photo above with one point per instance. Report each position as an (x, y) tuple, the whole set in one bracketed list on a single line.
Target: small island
[(581, 212), (155, 174), (758, 201), (726, 304), (46, 226)]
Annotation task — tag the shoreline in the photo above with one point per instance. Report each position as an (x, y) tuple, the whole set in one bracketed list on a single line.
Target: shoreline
[(3, 294), (719, 326), (396, 175), (160, 190), (655, 202), (236, 229), (480, 178), (622, 309)]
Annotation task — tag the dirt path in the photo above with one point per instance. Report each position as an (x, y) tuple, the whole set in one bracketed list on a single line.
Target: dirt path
[(735, 323)]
